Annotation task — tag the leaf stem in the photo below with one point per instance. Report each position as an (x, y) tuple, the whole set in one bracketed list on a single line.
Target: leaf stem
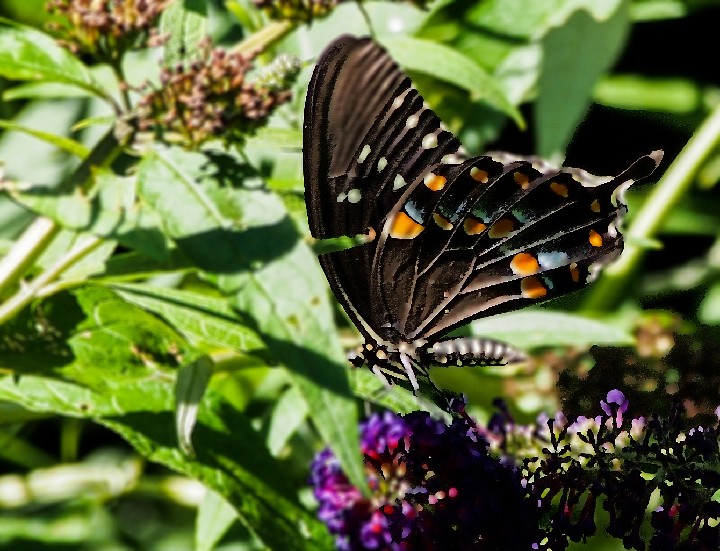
[(607, 293)]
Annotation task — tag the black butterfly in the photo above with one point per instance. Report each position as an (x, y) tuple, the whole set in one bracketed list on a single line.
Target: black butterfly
[(449, 238)]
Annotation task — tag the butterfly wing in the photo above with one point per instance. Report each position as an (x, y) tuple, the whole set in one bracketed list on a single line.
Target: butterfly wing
[(452, 238), (363, 150)]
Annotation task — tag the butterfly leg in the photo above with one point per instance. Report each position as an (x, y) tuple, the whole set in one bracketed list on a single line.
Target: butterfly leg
[(409, 371)]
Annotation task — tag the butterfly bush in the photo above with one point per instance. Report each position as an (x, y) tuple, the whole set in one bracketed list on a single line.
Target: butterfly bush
[(304, 10), (213, 98), (106, 28), (512, 486)]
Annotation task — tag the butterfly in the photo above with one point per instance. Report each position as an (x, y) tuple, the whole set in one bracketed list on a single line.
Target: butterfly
[(448, 238)]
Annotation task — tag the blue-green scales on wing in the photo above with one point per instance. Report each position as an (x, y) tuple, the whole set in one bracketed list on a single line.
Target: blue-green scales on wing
[(450, 238)]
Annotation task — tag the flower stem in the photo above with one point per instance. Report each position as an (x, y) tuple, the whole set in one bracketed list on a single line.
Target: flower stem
[(263, 38), (607, 293)]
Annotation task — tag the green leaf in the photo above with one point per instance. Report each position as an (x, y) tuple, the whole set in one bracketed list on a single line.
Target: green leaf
[(288, 414), (28, 54), (448, 64), (231, 459), (215, 516), (274, 277), (282, 138), (575, 55), (672, 95), (42, 90), (394, 398), (200, 317), (185, 23), (545, 328), (709, 310), (190, 384), (92, 337), (61, 142), (112, 210)]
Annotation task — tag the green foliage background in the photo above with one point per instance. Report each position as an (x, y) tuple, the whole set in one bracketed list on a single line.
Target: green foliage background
[(170, 355)]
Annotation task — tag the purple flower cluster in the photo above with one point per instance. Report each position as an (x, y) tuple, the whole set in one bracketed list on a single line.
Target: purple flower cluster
[(512, 486), (431, 485), (622, 464)]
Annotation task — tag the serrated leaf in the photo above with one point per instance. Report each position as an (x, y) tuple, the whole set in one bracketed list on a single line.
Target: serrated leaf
[(184, 22), (275, 279), (112, 210), (91, 337), (394, 398), (546, 328), (452, 66), (28, 54), (201, 317)]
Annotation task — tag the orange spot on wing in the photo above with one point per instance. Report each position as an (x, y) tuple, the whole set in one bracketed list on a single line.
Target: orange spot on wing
[(532, 287), (595, 206), (473, 226), (524, 264), (435, 182), (595, 239), (404, 227), (441, 221), (574, 272), (523, 180), (501, 228), (560, 189), (479, 175)]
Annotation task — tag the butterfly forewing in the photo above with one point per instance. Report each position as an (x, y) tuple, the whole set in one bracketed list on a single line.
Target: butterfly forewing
[(368, 142), (449, 238)]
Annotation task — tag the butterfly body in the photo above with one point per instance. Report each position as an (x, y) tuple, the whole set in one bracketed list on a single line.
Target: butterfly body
[(448, 237)]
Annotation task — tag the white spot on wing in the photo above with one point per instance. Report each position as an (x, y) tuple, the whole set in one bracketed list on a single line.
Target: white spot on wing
[(451, 159), (382, 163), (354, 195), (412, 121), (364, 154), (430, 141), (399, 182)]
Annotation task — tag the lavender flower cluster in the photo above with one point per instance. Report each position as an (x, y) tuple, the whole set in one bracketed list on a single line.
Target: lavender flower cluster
[(431, 485), (512, 486)]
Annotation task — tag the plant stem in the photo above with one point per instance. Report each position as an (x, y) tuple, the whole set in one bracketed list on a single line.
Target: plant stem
[(608, 291), (34, 240), (42, 231), (27, 293), (263, 38)]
